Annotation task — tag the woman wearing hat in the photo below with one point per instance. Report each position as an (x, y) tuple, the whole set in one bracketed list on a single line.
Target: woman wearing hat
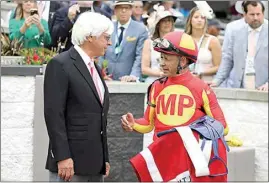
[(160, 23), (178, 98), (209, 56)]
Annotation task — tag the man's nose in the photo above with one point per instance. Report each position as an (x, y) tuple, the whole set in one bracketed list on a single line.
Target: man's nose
[(256, 17)]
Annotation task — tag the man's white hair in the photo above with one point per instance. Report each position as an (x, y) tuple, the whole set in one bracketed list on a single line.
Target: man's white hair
[(90, 24)]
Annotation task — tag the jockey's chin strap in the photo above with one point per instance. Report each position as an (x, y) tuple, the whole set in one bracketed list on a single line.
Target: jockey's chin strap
[(179, 68)]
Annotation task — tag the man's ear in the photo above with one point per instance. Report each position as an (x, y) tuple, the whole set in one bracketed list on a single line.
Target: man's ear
[(184, 61), (90, 39)]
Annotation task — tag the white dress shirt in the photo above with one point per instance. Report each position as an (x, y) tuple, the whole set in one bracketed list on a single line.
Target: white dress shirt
[(250, 60), (249, 78), (87, 60)]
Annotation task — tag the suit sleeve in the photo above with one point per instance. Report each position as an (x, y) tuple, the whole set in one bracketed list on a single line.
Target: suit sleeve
[(212, 107), (61, 26), (46, 34), (106, 147), (146, 124), (226, 64), (55, 95), (136, 69)]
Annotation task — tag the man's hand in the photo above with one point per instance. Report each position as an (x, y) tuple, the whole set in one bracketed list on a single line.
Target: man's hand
[(66, 169), (128, 79), (264, 87), (107, 169), (127, 122), (212, 84), (72, 12)]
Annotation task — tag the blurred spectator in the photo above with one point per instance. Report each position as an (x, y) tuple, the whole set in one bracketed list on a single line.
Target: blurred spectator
[(30, 27), (169, 6), (163, 23), (45, 8), (214, 27), (245, 51), (124, 56), (100, 7), (209, 55), (106, 8), (137, 11), (64, 18)]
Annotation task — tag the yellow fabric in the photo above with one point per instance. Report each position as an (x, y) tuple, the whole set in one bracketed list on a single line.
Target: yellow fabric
[(226, 130), (233, 141), (206, 104), (146, 128)]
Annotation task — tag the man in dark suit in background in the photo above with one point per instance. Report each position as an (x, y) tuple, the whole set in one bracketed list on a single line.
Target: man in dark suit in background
[(76, 103), (62, 22)]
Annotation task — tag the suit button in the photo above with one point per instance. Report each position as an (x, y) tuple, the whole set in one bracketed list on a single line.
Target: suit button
[(101, 132), (103, 114)]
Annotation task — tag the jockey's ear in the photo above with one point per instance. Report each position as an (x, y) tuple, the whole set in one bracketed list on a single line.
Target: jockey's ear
[(184, 62)]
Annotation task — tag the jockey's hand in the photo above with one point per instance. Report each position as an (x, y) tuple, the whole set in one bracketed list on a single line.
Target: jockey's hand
[(127, 122), (233, 141)]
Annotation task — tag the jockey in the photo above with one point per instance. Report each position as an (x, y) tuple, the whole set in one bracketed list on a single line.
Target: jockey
[(178, 98), (175, 100)]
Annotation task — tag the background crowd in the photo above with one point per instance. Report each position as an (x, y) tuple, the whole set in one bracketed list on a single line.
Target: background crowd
[(238, 60)]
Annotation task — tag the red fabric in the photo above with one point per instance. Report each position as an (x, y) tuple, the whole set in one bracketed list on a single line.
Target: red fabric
[(172, 159), (192, 101)]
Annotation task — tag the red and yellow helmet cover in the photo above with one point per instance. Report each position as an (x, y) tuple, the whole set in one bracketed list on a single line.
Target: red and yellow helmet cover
[(184, 43)]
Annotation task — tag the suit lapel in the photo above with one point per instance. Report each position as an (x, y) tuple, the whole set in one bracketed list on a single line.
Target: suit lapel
[(114, 35), (260, 39), (82, 68), (244, 36), (103, 82)]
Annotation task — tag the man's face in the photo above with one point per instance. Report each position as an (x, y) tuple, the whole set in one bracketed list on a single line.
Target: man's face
[(100, 44), (213, 30), (138, 8), (123, 13), (169, 64), (254, 17)]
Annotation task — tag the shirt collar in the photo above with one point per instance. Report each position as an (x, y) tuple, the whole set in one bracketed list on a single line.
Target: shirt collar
[(125, 25), (87, 60), (258, 29)]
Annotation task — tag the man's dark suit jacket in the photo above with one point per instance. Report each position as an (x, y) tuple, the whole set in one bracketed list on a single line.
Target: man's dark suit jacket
[(75, 118), (61, 26)]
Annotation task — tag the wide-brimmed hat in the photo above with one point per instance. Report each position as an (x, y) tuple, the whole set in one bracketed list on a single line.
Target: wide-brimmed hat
[(122, 3), (239, 6), (156, 16)]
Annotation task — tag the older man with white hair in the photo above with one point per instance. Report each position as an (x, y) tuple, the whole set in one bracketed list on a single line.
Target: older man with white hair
[(76, 104)]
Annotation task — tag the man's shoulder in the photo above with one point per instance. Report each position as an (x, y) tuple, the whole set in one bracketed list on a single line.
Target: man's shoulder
[(62, 11), (62, 58), (237, 24), (140, 27)]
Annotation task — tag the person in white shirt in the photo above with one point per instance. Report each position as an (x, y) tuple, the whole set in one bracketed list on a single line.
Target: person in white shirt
[(245, 59), (73, 86), (124, 55)]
